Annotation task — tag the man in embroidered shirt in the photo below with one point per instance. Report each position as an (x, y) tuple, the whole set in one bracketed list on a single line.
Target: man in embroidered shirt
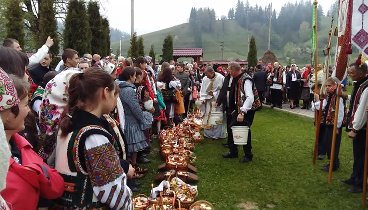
[(237, 114), (357, 118)]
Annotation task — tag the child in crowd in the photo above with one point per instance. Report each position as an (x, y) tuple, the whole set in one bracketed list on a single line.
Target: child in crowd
[(146, 104), (162, 107), (328, 117)]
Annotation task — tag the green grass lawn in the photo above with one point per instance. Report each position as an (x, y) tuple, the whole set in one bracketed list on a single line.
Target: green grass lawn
[(281, 175)]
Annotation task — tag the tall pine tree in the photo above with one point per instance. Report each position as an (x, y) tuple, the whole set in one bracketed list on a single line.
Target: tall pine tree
[(252, 54), (133, 50), (15, 23), (105, 39), (140, 46), (231, 14), (48, 25), (95, 24), (77, 34), (167, 49), (152, 54)]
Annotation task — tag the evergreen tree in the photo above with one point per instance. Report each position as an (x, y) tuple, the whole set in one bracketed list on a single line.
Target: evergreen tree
[(77, 34), (133, 50), (231, 14), (140, 46), (105, 38), (193, 16), (252, 54), (240, 13), (195, 25), (3, 18), (15, 23), (152, 54), (167, 49), (117, 52), (48, 25), (95, 25)]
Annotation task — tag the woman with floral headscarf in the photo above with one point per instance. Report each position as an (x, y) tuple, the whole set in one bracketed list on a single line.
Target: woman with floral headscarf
[(29, 178)]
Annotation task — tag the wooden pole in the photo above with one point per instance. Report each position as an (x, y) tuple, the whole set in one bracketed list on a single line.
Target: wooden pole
[(328, 50), (334, 134), (364, 194), (317, 113)]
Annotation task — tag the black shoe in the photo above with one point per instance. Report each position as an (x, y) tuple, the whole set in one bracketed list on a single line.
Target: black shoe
[(143, 159), (230, 155), (326, 168), (225, 144), (355, 189), (280, 107), (272, 106), (246, 159), (348, 181)]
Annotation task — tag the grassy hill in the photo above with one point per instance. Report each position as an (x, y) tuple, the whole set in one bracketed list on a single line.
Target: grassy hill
[(235, 40)]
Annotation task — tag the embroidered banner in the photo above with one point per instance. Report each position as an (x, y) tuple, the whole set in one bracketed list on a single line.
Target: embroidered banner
[(359, 25), (343, 47)]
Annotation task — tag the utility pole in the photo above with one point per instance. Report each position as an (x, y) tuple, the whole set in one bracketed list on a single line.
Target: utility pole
[(132, 19), (120, 47), (269, 29), (222, 50)]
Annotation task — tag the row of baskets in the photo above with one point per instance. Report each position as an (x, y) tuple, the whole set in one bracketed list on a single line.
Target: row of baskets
[(176, 147)]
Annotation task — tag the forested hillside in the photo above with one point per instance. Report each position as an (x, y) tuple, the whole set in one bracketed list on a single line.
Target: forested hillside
[(291, 32)]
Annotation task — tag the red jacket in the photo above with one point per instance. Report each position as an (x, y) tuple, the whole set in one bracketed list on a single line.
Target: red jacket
[(26, 183)]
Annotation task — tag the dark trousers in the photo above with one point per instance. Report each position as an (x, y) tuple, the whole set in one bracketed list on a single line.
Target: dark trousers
[(276, 97), (327, 138), (231, 121), (358, 153), (186, 103), (261, 96), (321, 143)]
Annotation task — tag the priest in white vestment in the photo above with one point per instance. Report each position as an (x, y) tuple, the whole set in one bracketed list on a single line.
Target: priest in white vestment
[(210, 89)]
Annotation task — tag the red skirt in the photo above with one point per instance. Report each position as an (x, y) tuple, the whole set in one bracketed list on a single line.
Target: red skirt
[(162, 116)]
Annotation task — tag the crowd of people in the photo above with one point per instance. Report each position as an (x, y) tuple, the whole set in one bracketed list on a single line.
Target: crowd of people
[(77, 137)]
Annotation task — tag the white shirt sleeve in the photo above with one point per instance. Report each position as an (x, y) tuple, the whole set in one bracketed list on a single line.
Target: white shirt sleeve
[(341, 113), (317, 104), (249, 97), (60, 64), (109, 183), (360, 116), (202, 93), (38, 56), (219, 83)]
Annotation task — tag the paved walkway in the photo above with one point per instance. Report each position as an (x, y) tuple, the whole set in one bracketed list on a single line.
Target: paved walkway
[(298, 111)]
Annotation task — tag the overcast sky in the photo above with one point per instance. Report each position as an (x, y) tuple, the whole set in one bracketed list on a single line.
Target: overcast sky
[(153, 15)]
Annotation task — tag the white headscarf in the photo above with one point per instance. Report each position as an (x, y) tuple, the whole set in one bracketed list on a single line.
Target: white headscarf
[(4, 156)]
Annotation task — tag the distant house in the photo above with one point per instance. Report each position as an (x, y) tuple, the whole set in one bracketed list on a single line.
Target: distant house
[(195, 53)]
